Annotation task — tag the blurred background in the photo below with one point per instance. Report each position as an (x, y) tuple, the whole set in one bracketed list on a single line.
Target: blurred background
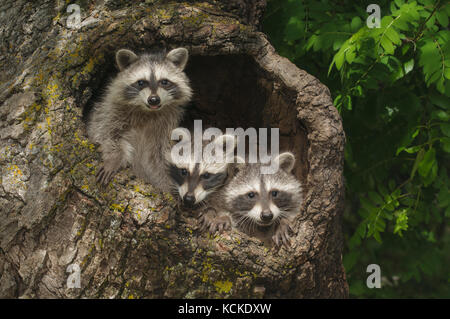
[(391, 85)]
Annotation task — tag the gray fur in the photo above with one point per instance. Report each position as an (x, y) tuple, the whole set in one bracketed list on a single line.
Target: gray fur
[(279, 194), (128, 128), (199, 180)]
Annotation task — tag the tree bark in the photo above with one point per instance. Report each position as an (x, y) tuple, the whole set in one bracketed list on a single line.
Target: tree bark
[(128, 239)]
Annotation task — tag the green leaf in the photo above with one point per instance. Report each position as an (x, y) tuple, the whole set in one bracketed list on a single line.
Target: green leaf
[(442, 17), (401, 223), (445, 128), (387, 45), (355, 24), (376, 199), (427, 162), (440, 100), (390, 206), (413, 149), (440, 115), (399, 3), (380, 225), (377, 237), (444, 197), (417, 162), (408, 66), (427, 180), (361, 230), (445, 144), (338, 101), (348, 102), (350, 55), (393, 36), (368, 206), (339, 58)]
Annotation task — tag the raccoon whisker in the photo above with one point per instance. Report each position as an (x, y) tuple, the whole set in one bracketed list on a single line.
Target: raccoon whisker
[(245, 223), (249, 224), (246, 226), (217, 187), (240, 220), (175, 189), (203, 203), (243, 220), (281, 215), (285, 213), (254, 226), (278, 221)]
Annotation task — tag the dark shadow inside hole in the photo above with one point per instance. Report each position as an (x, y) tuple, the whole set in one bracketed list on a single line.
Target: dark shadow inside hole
[(97, 85), (232, 91), (226, 91)]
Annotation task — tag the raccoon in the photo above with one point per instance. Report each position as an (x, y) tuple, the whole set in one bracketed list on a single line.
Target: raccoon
[(142, 105), (194, 182), (263, 205)]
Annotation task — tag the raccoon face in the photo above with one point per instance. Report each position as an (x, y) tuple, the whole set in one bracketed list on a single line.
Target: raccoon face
[(262, 199), (194, 182), (154, 80)]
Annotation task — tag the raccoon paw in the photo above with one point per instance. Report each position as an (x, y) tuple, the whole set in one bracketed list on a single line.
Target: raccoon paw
[(220, 224), (282, 234), (212, 223), (104, 175)]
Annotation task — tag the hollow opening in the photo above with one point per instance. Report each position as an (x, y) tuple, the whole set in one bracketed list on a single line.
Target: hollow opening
[(232, 91)]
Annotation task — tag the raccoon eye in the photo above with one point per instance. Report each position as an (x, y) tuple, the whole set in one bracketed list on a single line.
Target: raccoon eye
[(206, 176), (251, 195), (274, 193), (141, 83), (165, 82), (184, 172)]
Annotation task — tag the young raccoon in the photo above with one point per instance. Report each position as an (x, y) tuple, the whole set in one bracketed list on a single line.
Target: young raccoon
[(142, 105), (194, 181), (263, 205)]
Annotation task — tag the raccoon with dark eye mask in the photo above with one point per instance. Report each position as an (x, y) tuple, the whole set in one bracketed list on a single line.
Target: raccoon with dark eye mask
[(141, 106), (194, 181), (264, 205)]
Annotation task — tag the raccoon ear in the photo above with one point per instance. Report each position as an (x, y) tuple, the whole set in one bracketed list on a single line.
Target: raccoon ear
[(178, 57), (286, 161), (125, 58)]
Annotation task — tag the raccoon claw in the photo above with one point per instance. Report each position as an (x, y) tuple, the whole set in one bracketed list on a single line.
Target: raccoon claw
[(219, 225), (281, 236), (204, 219), (209, 222), (104, 176)]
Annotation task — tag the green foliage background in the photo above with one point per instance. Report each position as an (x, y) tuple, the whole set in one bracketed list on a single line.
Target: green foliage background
[(391, 86)]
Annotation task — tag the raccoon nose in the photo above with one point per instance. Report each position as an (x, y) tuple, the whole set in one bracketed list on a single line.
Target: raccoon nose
[(266, 216), (189, 199), (154, 100)]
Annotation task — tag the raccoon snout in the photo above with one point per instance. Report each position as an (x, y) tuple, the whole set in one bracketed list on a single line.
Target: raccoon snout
[(189, 200), (154, 101), (266, 216)]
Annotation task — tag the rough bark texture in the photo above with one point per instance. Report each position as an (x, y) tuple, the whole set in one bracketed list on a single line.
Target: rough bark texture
[(128, 239)]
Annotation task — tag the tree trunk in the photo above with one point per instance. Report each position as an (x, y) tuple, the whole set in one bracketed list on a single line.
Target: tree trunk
[(128, 239)]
